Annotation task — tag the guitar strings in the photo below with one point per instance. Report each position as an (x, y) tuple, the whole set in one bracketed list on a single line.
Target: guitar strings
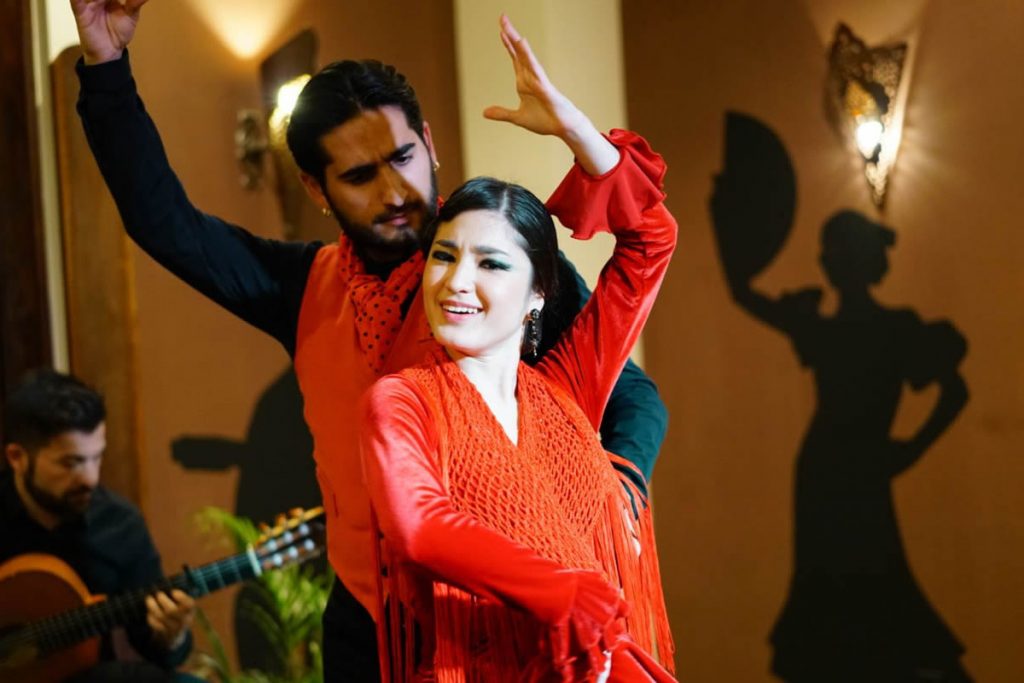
[(67, 628)]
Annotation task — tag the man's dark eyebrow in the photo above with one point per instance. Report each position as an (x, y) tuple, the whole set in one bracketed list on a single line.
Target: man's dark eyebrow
[(362, 169), (357, 171), (402, 151)]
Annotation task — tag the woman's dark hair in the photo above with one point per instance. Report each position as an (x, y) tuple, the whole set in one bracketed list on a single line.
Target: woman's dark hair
[(532, 222), (339, 92), (48, 403)]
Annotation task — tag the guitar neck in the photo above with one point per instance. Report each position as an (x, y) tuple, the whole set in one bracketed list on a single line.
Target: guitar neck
[(66, 629)]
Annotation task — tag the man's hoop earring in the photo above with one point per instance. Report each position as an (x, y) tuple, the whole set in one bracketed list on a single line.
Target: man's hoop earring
[(532, 334), (326, 212), (437, 165)]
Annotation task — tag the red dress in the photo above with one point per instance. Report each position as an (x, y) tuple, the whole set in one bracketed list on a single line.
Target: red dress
[(512, 562)]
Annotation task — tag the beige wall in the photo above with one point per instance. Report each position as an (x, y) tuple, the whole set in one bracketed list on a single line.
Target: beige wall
[(739, 400)]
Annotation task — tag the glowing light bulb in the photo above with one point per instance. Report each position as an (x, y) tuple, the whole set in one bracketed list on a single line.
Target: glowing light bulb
[(288, 94), (869, 137)]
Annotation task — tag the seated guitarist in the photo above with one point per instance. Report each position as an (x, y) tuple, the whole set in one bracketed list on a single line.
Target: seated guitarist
[(51, 502)]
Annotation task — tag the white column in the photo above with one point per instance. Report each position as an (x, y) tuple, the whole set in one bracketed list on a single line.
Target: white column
[(580, 44), (53, 29)]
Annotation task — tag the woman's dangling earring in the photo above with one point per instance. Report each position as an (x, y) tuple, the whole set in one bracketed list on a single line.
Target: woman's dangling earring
[(532, 341)]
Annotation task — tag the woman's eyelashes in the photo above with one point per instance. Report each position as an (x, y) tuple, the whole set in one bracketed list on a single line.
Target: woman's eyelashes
[(439, 255), (486, 264), (494, 264)]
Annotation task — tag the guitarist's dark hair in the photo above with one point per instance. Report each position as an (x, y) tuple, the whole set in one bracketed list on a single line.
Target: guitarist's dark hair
[(47, 403)]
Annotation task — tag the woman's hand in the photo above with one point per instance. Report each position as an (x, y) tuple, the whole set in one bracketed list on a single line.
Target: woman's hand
[(544, 110)]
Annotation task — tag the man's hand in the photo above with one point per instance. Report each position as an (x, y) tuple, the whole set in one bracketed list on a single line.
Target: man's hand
[(544, 110), (105, 27), (169, 617)]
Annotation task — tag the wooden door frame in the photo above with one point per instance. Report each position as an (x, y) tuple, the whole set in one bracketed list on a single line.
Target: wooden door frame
[(24, 308)]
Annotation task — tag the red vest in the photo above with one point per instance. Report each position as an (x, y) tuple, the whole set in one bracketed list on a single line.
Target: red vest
[(333, 375)]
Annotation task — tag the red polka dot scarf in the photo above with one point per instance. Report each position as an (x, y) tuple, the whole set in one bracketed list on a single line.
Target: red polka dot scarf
[(377, 303)]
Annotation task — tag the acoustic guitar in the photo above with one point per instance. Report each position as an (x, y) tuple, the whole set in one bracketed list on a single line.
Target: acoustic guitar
[(50, 626)]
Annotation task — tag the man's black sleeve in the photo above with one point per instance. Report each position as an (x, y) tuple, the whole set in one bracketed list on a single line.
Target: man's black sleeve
[(259, 280), (635, 419)]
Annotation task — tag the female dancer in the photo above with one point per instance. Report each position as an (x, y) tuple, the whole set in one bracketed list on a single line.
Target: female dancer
[(510, 550)]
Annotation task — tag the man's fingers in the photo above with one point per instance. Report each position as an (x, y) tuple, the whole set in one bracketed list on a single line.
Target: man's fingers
[(183, 599), (166, 604), (155, 616)]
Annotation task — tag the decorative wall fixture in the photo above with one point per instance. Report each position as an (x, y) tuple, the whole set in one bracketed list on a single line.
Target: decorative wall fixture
[(283, 74), (864, 103), (250, 142)]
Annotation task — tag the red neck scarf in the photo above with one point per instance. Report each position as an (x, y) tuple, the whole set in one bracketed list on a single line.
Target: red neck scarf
[(377, 302)]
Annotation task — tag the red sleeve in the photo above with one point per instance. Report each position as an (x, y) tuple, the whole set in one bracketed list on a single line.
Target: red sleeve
[(628, 202), (417, 518)]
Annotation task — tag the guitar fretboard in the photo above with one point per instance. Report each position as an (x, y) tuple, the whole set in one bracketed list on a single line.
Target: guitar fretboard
[(65, 629)]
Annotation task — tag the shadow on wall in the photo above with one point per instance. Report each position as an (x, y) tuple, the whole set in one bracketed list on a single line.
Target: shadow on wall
[(854, 612), (276, 473)]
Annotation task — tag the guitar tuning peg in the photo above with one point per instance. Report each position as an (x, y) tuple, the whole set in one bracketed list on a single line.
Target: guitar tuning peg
[(264, 528), (280, 519), (296, 512)]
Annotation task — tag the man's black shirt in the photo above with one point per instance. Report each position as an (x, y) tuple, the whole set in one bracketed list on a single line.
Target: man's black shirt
[(109, 548)]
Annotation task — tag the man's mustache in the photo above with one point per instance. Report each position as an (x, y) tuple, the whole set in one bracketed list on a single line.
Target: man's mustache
[(408, 210)]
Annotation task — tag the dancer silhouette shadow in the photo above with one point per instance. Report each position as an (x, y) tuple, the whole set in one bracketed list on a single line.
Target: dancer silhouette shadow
[(276, 473), (854, 612)]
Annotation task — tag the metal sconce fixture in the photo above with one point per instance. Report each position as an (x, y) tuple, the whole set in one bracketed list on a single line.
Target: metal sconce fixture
[(865, 103), (250, 143), (283, 74)]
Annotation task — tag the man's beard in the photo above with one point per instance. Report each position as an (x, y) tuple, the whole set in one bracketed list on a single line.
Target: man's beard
[(68, 507), (398, 248)]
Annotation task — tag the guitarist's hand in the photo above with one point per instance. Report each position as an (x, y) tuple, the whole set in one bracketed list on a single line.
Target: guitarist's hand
[(169, 616)]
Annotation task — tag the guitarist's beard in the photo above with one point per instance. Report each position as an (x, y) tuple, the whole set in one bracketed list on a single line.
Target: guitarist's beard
[(70, 506)]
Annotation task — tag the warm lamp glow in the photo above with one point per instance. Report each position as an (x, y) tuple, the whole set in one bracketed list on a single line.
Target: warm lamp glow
[(869, 136), (288, 94), (244, 26), (865, 93)]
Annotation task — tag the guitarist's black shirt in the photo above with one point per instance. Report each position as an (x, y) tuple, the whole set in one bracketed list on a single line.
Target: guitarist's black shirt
[(109, 548)]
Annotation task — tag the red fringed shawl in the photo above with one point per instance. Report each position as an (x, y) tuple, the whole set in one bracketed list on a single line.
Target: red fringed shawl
[(556, 493)]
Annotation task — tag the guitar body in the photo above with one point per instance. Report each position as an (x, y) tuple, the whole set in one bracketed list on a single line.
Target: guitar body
[(50, 626), (33, 587)]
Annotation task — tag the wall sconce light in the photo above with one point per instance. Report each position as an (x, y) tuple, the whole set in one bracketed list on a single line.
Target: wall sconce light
[(250, 143), (283, 74), (865, 103)]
